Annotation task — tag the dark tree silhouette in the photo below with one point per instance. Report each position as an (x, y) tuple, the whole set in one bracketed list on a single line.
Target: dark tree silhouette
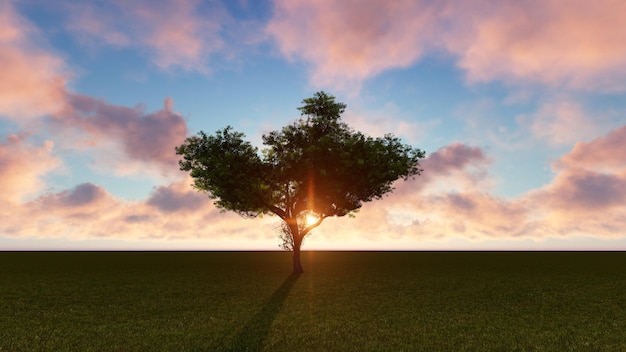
[(312, 169)]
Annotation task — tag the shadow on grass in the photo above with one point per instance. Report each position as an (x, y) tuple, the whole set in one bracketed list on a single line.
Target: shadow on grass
[(253, 335)]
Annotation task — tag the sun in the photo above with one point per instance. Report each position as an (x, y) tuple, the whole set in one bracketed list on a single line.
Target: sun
[(311, 219)]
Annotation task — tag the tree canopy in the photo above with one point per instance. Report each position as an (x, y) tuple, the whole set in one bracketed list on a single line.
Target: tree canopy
[(315, 167)]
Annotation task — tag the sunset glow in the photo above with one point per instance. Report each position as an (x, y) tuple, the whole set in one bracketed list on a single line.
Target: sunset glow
[(520, 106), (311, 219)]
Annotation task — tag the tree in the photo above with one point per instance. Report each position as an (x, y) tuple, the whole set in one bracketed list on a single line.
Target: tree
[(312, 169)]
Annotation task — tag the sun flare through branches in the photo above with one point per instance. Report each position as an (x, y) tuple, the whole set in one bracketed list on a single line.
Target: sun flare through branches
[(311, 219)]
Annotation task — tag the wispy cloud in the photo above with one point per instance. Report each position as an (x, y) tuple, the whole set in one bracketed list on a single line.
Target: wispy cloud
[(84, 203), (177, 197), (389, 119), (589, 189), (88, 211), (586, 191), (174, 32), (22, 168), (603, 154), (33, 79), (565, 122), (575, 45), (348, 42), (139, 141)]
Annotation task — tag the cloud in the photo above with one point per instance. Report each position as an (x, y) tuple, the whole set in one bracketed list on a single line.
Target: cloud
[(602, 154), (82, 196), (174, 212), (146, 139), (174, 32), (23, 166), (33, 79), (575, 46), (177, 197), (578, 46), (588, 193), (454, 167), (591, 177), (455, 156), (82, 206), (564, 123), (479, 214), (586, 197), (455, 174), (349, 41), (388, 119), (89, 21), (581, 203)]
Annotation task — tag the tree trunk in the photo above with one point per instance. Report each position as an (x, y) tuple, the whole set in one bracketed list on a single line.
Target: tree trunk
[(297, 265)]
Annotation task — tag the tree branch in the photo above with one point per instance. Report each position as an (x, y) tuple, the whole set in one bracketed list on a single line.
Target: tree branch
[(276, 210), (312, 226)]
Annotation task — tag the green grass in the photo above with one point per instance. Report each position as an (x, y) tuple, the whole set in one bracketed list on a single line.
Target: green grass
[(345, 301)]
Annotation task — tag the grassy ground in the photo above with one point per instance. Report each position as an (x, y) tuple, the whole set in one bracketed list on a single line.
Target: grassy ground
[(345, 301)]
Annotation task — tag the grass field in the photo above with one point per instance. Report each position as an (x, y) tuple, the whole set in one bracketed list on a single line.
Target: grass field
[(345, 301)]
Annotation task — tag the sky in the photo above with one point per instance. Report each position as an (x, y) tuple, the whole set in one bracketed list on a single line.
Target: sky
[(519, 104)]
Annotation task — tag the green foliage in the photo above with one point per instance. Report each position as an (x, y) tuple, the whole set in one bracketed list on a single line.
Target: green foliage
[(228, 169), (317, 164), (331, 168)]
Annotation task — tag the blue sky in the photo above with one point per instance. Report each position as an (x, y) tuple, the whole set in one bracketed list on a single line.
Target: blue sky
[(520, 106)]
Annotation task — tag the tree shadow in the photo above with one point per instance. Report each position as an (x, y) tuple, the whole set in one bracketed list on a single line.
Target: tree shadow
[(253, 335)]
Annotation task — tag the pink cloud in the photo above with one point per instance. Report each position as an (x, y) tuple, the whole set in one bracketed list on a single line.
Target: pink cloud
[(178, 36), (88, 22), (576, 46), (579, 45), (564, 123), (581, 203), (174, 212), (144, 137), (453, 169), (81, 196), (389, 119), (450, 196), (23, 166), (452, 157), (84, 203), (479, 214), (601, 154), (177, 197), (33, 79), (588, 193), (174, 32), (347, 42)]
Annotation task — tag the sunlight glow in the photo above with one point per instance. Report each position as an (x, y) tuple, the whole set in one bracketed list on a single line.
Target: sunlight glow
[(311, 219)]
